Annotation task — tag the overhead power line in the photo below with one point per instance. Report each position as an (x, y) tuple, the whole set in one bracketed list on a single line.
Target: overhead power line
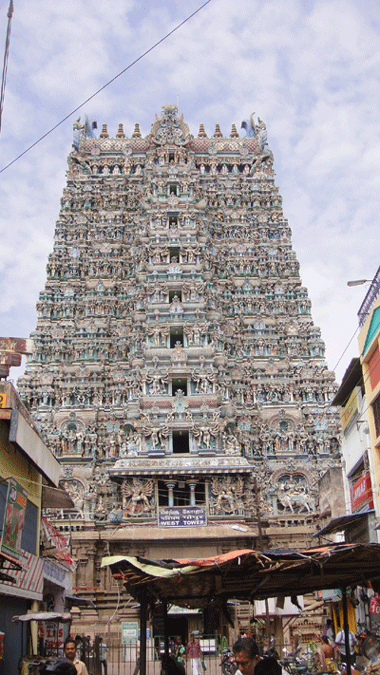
[(107, 84)]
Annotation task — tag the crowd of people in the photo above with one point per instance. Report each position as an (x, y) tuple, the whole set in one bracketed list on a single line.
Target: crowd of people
[(249, 661), (192, 653), (70, 663), (246, 653)]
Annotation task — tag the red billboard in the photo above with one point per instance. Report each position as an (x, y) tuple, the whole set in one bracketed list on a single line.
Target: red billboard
[(361, 492)]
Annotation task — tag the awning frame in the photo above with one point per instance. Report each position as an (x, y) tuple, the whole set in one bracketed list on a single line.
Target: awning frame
[(242, 574)]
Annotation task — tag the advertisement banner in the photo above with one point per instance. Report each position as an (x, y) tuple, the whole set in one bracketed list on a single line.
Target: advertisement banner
[(52, 636), (374, 607), (361, 492), (14, 516), (60, 544), (350, 410)]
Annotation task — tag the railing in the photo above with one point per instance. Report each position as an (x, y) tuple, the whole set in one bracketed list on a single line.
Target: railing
[(370, 298), (123, 659)]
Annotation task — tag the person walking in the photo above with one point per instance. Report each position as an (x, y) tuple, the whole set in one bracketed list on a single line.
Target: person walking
[(103, 649), (137, 666), (79, 646), (340, 641), (69, 649), (328, 631), (194, 653), (179, 653)]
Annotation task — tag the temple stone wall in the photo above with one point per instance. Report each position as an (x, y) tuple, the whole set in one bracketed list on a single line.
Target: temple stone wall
[(176, 371)]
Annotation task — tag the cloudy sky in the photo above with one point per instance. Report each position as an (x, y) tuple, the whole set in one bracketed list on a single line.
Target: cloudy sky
[(309, 69)]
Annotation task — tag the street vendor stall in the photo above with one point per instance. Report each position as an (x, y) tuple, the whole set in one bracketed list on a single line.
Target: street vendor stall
[(245, 574), (50, 637)]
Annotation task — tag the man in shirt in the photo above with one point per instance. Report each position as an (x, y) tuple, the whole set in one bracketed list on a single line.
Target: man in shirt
[(340, 642), (249, 662), (194, 652), (69, 649), (103, 654), (328, 631)]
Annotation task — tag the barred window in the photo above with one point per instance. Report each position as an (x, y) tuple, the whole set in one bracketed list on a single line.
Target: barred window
[(376, 414)]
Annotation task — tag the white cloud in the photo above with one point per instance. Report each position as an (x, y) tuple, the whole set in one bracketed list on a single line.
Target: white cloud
[(310, 69)]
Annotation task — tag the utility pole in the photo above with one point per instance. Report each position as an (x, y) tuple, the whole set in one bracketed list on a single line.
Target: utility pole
[(6, 55)]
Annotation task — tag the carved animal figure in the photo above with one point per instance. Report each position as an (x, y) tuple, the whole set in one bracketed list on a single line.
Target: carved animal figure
[(291, 500)]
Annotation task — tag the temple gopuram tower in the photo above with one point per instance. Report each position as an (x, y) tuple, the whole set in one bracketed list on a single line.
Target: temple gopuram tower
[(177, 373)]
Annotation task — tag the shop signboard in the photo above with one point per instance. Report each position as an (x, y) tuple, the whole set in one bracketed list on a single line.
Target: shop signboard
[(361, 492), (14, 515), (349, 411), (374, 607), (182, 516), (129, 632), (52, 635)]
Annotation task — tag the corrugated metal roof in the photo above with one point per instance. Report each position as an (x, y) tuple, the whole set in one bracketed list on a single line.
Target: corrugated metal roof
[(342, 522)]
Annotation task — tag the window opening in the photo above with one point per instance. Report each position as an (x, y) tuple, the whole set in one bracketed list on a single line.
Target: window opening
[(200, 493), (176, 335), (163, 494), (181, 494), (181, 442), (173, 293), (376, 414), (179, 383), (174, 253)]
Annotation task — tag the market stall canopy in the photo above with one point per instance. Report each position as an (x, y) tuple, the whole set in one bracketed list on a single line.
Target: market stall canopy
[(247, 574), (44, 616)]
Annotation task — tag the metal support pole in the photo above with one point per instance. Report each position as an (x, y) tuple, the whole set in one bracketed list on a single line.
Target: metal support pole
[(346, 628), (166, 635), (143, 614)]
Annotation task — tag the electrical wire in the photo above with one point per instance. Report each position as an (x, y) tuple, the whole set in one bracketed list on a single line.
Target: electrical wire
[(344, 351), (107, 84)]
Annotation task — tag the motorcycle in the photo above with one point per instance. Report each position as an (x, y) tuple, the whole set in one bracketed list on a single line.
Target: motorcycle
[(227, 662), (294, 664), (368, 642)]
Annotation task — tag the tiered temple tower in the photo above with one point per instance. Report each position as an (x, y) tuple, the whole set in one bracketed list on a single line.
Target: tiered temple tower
[(177, 372)]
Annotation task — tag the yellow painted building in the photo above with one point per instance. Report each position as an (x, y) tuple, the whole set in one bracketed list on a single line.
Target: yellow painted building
[(369, 345), (27, 469)]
